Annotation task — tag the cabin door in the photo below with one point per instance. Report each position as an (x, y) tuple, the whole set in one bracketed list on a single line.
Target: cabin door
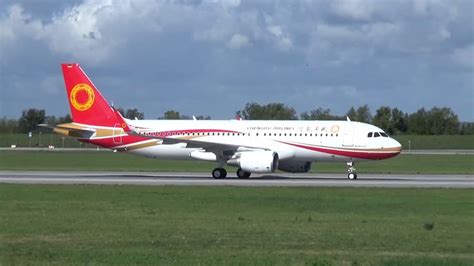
[(117, 134), (348, 137)]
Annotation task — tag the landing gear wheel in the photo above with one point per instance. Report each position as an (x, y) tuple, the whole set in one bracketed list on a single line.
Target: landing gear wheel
[(219, 173), (241, 174), (352, 176)]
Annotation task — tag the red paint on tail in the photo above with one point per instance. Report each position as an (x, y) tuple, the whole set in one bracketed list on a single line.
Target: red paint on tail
[(87, 105)]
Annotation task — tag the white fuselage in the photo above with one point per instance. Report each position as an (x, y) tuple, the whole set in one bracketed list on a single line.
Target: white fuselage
[(292, 140)]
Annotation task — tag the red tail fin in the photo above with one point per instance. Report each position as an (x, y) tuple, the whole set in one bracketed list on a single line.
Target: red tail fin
[(86, 103)]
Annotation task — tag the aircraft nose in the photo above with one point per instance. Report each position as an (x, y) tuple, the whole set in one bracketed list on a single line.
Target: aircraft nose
[(396, 146)]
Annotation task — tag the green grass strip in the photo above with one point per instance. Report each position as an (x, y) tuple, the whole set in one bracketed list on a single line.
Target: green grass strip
[(124, 225)]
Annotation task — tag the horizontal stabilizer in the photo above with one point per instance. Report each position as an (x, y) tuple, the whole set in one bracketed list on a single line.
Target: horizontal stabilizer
[(71, 130)]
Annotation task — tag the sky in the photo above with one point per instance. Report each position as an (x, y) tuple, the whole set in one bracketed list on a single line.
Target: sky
[(212, 57)]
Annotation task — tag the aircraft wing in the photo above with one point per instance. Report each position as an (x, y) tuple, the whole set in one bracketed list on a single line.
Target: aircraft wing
[(220, 149)]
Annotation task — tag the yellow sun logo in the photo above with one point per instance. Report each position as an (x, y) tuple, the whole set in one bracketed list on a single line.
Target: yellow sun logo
[(82, 97)]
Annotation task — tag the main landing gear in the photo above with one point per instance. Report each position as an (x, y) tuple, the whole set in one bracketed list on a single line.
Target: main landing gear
[(221, 173), (242, 174), (351, 171)]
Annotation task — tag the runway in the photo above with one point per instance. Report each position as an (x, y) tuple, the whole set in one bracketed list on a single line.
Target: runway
[(204, 179)]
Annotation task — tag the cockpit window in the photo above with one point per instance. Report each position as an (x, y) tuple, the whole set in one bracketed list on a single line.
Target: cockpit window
[(376, 134), (369, 135), (384, 134)]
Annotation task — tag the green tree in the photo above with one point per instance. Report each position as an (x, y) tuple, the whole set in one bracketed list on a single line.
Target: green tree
[(442, 121), (362, 114), (352, 114), (53, 120), (383, 119), (320, 114), (271, 111), (437, 121), (134, 113), (131, 113), (30, 119), (399, 121), (64, 119), (417, 122), (171, 114)]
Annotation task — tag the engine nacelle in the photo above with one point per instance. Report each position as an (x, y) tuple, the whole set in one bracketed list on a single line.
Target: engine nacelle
[(256, 161), (294, 166)]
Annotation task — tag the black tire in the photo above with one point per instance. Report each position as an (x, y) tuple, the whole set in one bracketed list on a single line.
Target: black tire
[(241, 174), (219, 173), (352, 176)]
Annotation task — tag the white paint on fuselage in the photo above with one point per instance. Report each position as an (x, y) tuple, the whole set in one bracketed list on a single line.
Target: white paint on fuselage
[(269, 135)]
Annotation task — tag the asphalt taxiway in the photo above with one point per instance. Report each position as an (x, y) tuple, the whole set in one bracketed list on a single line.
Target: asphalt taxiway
[(204, 179)]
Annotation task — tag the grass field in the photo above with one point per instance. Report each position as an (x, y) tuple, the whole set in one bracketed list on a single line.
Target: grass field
[(245, 226), (416, 142), (104, 160)]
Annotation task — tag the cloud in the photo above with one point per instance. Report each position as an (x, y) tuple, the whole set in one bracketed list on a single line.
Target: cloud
[(238, 41), (287, 52), (16, 24), (353, 9)]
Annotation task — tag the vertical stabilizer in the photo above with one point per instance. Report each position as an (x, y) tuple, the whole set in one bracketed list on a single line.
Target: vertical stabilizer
[(87, 105)]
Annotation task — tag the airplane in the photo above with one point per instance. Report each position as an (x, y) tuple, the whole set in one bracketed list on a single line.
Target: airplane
[(253, 146)]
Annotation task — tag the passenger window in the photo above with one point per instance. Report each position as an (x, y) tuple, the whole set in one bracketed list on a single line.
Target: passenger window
[(369, 135), (376, 134)]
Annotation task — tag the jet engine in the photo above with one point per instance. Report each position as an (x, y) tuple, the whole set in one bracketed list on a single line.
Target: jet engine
[(294, 166), (256, 161)]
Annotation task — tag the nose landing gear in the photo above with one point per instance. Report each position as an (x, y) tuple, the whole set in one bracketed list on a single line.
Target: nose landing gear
[(351, 171)]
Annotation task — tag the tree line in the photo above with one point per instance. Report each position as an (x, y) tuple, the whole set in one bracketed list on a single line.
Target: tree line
[(435, 121)]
